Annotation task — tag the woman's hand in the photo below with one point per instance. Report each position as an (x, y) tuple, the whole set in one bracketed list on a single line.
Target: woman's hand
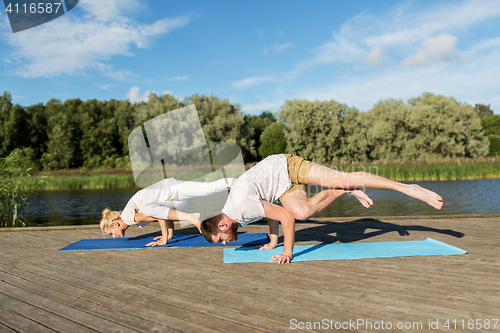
[(162, 241)]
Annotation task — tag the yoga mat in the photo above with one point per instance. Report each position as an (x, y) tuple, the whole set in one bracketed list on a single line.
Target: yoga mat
[(176, 241), (427, 247)]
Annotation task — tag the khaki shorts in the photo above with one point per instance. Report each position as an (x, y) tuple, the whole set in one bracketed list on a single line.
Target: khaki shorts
[(298, 169)]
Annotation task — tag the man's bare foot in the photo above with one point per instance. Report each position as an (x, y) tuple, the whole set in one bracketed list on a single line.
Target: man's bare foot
[(363, 198), (429, 197)]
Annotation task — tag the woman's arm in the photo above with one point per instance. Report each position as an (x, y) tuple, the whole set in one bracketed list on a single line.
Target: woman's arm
[(167, 232)]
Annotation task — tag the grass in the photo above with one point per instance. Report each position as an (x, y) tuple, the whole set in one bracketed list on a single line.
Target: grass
[(86, 179), (416, 170)]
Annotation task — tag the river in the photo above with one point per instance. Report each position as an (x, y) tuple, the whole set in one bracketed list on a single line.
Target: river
[(76, 207)]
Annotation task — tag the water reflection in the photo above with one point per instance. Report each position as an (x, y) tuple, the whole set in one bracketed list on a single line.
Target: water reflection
[(74, 207)]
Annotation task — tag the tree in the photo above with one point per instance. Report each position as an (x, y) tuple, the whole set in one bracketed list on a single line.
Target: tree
[(222, 121), (313, 129), (259, 124), (273, 140), (426, 127), (483, 110), (491, 124)]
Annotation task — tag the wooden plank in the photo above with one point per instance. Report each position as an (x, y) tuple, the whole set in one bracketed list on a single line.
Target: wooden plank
[(41, 316), (72, 314), (265, 296), (19, 323)]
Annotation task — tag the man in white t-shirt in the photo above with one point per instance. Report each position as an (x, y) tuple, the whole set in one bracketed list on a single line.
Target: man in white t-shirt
[(283, 177)]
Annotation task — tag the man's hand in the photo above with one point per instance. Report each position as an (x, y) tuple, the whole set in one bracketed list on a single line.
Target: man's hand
[(268, 246), (162, 241), (282, 258)]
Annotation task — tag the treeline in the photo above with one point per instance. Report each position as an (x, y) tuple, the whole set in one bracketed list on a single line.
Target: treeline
[(93, 134)]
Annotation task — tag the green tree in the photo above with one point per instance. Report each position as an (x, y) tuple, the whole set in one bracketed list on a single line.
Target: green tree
[(62, 142), (494, 144), (273, 140), (313, 129), (483, 110), (491, 124), (428, 126), (259, 123), (223, 122), (12, 125)]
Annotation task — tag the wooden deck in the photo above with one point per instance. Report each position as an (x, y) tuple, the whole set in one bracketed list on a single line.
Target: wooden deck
[(191, 290)]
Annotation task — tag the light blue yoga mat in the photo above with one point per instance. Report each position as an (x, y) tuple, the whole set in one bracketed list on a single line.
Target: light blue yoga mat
[(428, 247)]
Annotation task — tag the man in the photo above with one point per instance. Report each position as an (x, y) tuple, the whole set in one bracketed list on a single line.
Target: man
[(283, 177)]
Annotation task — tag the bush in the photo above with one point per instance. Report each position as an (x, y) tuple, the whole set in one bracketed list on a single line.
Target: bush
[(494, 144), (272, 140), (16, 187)]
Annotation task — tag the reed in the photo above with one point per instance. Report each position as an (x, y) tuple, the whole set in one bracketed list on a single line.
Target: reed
[(86, 179), (415, 170)]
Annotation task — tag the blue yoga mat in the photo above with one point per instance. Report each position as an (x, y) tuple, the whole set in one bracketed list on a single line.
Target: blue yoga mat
[(427, 247), (176, 241)]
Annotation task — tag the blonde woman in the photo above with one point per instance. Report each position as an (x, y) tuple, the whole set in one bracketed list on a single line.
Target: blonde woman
[(160, 202)]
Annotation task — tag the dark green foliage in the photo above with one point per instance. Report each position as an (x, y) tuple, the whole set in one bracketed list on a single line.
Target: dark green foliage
[(16, 187), (483, 110), (273, 140), (494, 144), (259, 124), (223, 121), (491, 124)]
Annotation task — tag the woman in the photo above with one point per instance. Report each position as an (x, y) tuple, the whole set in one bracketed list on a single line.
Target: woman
[(160, 202)]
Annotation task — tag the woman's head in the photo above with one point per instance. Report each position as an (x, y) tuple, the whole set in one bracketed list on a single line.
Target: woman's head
[(113, 224)]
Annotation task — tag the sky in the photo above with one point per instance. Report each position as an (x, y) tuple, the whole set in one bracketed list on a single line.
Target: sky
[(258, 53)]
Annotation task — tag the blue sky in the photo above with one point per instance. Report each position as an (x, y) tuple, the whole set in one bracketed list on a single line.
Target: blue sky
[(258, 53)]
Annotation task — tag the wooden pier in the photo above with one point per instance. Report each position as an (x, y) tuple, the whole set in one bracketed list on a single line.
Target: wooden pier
[(191, 290)]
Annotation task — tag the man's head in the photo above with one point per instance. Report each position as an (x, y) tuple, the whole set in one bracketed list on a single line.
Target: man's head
[(220, 229)]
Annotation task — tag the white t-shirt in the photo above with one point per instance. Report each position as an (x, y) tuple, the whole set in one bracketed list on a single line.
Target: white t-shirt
[(266, 181), (159, 191)]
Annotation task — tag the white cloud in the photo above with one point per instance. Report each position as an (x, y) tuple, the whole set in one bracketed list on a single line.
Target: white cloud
[(84, 42), (376, 57), (178, 78), (259, 107), (401, 29), (134, 97), (435, 49), (477, 79), (251, 81), (282, 47)]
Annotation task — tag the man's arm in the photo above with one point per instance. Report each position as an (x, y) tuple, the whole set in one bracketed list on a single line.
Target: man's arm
[(279, 213), (274, 229)]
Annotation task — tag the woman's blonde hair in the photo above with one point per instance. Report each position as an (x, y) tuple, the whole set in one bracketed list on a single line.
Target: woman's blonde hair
[(108, 217)]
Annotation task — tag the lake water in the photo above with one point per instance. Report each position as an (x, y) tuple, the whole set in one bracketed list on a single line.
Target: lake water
[(76, 207)]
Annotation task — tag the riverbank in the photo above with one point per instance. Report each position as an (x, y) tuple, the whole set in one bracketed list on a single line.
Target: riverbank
[(416, 170)]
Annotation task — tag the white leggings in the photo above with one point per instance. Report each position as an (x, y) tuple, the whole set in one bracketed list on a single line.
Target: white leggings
[(182, 191)]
